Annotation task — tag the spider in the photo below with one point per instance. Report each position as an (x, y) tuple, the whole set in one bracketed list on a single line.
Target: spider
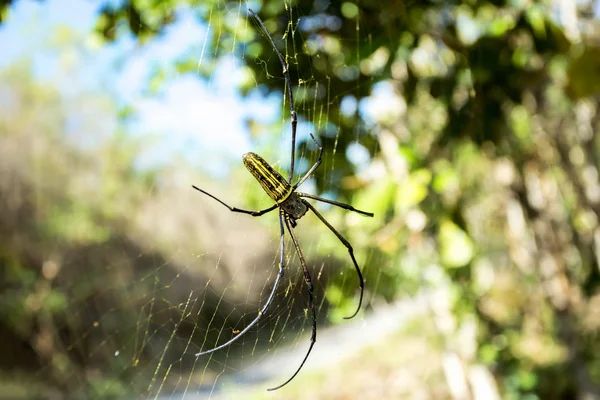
[(292, 206)]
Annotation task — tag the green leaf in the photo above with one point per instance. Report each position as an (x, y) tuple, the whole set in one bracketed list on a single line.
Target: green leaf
[(584, 74), (456, 247), (414, 190)]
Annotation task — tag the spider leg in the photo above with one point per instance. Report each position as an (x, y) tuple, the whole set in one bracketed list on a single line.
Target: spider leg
[(335, 203), (311, 304), (315, 165), (350, 251), (238, 210), (264, 308), (288, 85)]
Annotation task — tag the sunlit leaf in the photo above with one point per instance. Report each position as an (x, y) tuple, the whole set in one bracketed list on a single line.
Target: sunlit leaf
[(456, 248)]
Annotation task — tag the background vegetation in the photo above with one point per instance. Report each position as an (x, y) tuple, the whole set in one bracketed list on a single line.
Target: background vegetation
[(482, 170)]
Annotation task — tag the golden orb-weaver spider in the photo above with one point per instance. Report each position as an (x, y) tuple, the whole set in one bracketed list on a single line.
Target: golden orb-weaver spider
[(292, 206)]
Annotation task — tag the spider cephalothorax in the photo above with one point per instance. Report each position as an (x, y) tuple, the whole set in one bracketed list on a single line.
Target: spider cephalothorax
[(292, 206)]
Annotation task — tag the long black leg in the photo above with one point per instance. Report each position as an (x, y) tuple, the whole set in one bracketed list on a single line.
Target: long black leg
[(288, 85), (350, 251), (238, 210), (311, 304), (264, 308), (335, 203), (315, 165)]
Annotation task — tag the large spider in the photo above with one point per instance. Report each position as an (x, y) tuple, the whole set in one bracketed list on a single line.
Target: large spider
[(292, 206)]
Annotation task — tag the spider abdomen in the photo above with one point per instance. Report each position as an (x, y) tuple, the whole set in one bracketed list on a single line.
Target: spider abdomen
[(271, 181)]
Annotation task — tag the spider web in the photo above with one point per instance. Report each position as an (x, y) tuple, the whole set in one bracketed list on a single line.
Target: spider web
[(279, 341), (186, 275)]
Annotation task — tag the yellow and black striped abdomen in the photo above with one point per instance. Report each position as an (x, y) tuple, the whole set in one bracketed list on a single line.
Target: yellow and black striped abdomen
[(271, 181)]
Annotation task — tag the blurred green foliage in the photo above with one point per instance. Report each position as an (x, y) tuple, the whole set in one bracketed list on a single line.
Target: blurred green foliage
[(483, 173)]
